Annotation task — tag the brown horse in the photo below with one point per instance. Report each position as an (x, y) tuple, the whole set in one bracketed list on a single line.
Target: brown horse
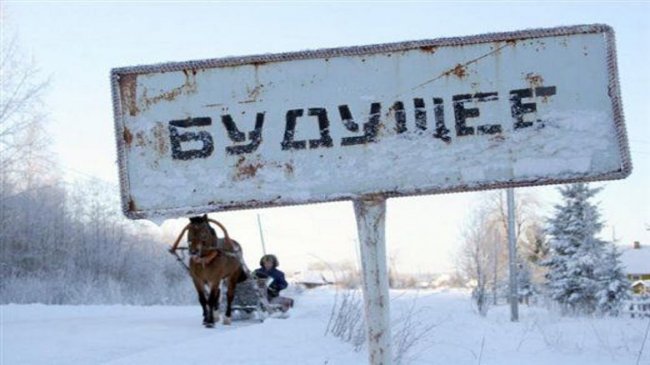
[(212, 260)]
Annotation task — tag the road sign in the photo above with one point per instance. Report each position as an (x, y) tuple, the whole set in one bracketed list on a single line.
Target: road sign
[(365, 123), (455, 114)]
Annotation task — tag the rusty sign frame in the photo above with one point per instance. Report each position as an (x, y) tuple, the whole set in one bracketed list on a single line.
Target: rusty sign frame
[(131, 210)]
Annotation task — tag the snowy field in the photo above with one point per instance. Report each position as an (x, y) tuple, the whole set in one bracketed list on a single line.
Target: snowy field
[(40, 334)]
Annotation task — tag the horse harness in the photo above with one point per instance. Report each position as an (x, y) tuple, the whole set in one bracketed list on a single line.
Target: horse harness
[(206, 255)]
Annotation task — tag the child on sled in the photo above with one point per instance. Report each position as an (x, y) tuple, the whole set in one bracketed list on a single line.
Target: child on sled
[(269, 269)]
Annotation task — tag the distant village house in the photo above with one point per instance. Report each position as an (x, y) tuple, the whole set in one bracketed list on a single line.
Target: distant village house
[(636, 261)]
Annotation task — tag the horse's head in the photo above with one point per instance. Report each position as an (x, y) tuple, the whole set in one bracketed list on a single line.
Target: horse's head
[(200, 235)]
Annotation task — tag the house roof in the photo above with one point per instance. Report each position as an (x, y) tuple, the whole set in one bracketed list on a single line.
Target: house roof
[(636, 261), (645, 283)]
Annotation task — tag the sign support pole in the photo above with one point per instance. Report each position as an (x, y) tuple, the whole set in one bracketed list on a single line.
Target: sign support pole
[(512, 257), (370, 212), (259, 225)]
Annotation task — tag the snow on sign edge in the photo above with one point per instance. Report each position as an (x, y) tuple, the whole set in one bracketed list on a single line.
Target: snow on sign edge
[(133, 211)]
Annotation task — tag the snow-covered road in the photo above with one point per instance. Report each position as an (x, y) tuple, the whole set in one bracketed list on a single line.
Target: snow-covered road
[(39, 334)]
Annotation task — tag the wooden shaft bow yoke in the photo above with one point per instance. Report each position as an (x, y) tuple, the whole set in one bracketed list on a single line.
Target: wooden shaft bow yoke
[(231, 249)]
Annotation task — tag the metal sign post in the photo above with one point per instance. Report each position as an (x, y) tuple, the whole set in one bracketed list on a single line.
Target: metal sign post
[(512, 257), (370, 212)]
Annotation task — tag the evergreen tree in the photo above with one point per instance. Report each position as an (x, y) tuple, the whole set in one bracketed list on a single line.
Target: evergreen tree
[(614, 284), (576, 253)]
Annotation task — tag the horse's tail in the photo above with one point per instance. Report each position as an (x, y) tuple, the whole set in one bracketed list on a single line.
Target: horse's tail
[(242, 275)]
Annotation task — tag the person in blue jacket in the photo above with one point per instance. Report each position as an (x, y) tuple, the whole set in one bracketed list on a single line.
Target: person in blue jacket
[(269, 269)]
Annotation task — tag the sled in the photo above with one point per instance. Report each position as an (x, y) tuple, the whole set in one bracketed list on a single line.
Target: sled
[(251, 301)]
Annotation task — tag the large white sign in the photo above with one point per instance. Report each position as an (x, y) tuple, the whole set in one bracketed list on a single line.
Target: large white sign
[(456, 114)]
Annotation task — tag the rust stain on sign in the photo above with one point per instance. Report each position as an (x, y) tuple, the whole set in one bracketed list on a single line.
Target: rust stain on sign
[(459, 71), (128, 137), (128, 83), (188, 87), (247, 170), (429, 49)]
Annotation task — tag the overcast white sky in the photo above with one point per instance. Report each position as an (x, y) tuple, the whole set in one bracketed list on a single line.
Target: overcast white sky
[(77, 44)]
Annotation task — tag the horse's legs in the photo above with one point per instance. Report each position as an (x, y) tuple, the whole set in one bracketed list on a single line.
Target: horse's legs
[(213, 301), (204, 302), (232, 283)]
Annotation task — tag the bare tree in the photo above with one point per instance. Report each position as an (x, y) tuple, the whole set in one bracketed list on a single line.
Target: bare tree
[(476, 257), (21, 141), (529, 236), (22, 116), (483, 257)]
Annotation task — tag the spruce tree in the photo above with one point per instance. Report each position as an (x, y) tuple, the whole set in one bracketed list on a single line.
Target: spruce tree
[(614, 288), (575, 251)]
